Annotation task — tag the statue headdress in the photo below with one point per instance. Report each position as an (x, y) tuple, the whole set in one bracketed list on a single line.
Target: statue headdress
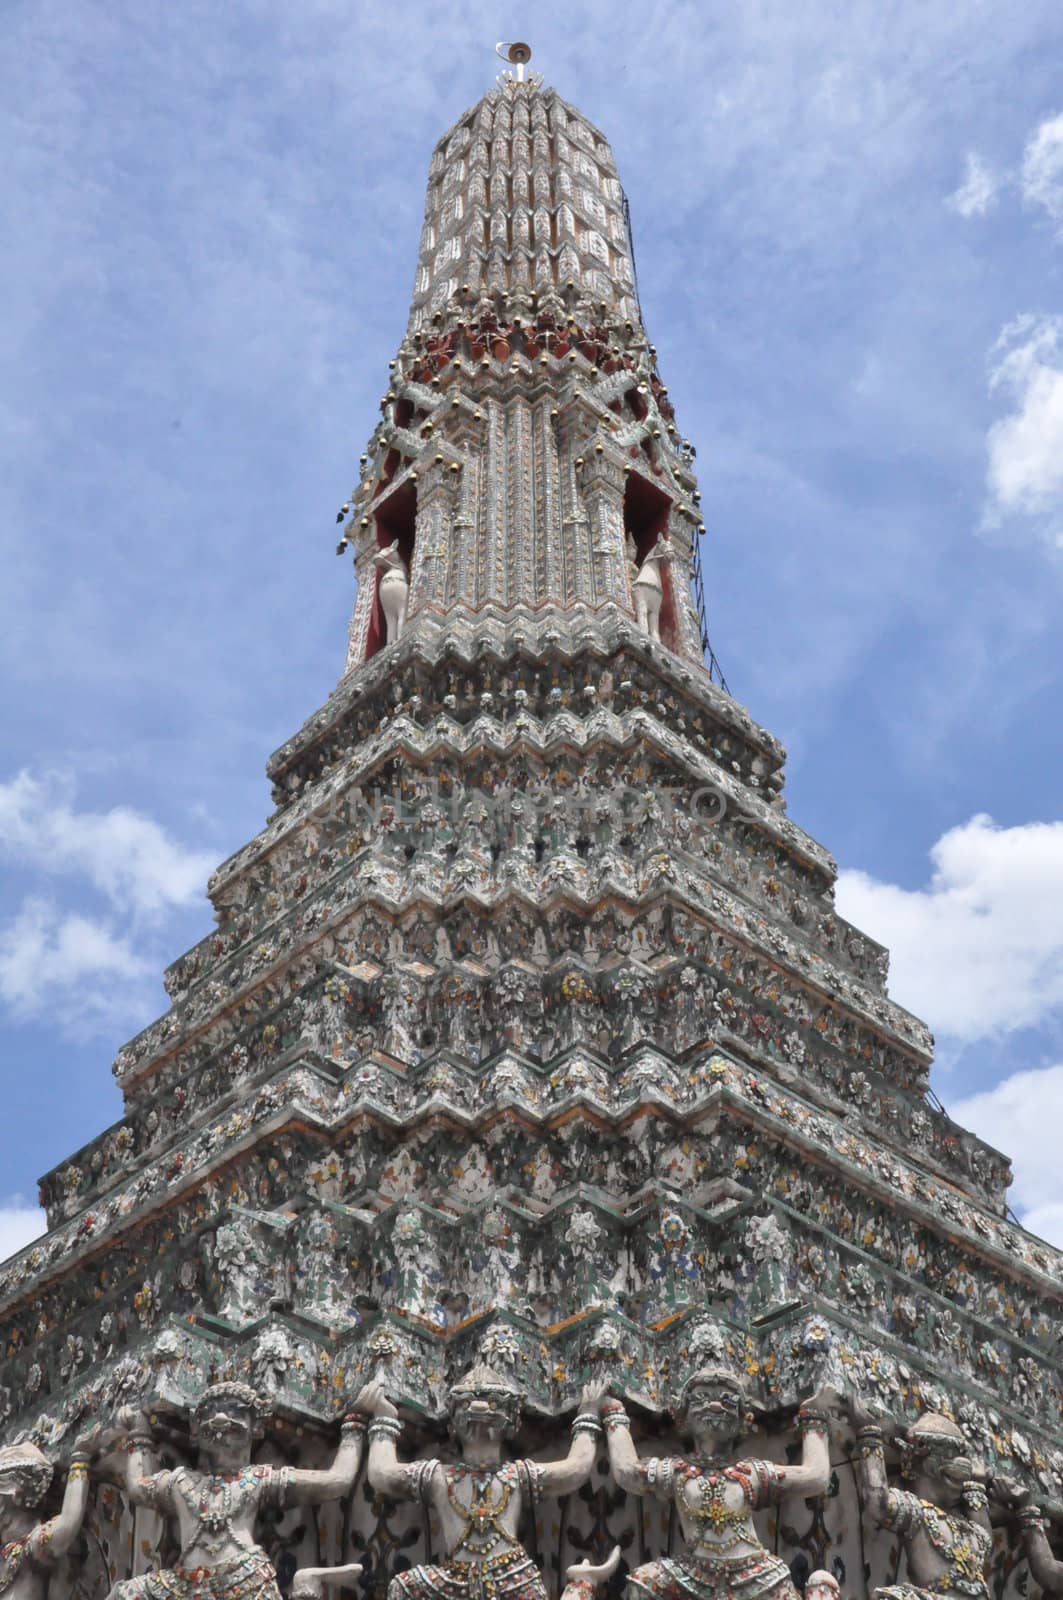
[(718, 1372), (483, 1381), (931, 1440), (225, 1396), (31, 1465), (714, 1372)]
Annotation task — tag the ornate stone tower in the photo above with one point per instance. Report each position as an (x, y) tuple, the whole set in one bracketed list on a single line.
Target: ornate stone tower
[(528, 1032)]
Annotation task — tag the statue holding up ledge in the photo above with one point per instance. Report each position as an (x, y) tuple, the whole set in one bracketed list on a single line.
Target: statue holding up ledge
[(1045, 1570), (715, 1492), (479, 1500), (217, 1504), (30, 1548), (943, 1520)]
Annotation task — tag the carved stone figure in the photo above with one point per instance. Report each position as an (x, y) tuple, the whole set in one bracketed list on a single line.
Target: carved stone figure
[(1045, 1570), (244, 1271), (822, 1586), (715, 1494), (480, 1500), (29, 1548), (393, 588), (216, 1504), (320, 1274), (647, 588), (943, 1520), (417, 1267)]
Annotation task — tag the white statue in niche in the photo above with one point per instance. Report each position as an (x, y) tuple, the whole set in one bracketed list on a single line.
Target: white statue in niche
[(647, 587), (393, 589)]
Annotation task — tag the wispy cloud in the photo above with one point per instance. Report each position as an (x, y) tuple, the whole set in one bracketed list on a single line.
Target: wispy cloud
[(76, 964), (979, 951), (1042, 167), (1022, 1115), (128, 857), (978, 192), (89, 966), (1024, 476)]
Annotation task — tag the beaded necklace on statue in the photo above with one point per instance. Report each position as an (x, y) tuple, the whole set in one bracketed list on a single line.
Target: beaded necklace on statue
[(215, 1502), (481, 1517), (963, 1543), (14, 1554), (728, 1526)]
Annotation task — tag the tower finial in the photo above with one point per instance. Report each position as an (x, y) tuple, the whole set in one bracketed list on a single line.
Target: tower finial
[(518, 54)]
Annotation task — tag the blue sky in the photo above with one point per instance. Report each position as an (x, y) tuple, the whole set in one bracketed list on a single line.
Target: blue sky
[(849, 230)]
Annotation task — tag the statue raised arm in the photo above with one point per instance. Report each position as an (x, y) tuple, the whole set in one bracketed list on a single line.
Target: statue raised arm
[(1015, 1498), (30, 1546), (478, 1501), (715, 1492), (943, 1520), (217, 1503)]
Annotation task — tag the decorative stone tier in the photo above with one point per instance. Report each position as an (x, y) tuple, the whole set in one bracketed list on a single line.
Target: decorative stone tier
[(302, 1370), (703, 1137), (534, 663), (584, 876), (526, 479)]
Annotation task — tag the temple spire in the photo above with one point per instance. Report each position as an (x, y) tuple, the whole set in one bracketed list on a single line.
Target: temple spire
[(528, 454)]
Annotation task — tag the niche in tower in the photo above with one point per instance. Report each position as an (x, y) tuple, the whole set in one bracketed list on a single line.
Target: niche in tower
[(645, 521), (396, 523)]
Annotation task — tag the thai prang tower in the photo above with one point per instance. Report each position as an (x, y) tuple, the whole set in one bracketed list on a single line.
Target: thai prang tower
[(528, 1032)]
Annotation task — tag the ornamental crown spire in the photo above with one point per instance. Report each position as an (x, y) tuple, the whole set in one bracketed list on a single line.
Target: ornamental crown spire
[(527, 456)]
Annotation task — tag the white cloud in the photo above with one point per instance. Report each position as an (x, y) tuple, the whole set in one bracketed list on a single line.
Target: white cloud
[(95, 968), (979, 951), (1024, 477), (19, 1223), (1022, 1115), (49, 957), (127, 856), (1042, 167), (978, 191)]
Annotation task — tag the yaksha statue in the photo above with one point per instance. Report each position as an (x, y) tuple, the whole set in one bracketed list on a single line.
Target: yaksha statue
[(715, 1493), (943, 1520), (479, 1501), (216, 1504), (31, 1547)]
